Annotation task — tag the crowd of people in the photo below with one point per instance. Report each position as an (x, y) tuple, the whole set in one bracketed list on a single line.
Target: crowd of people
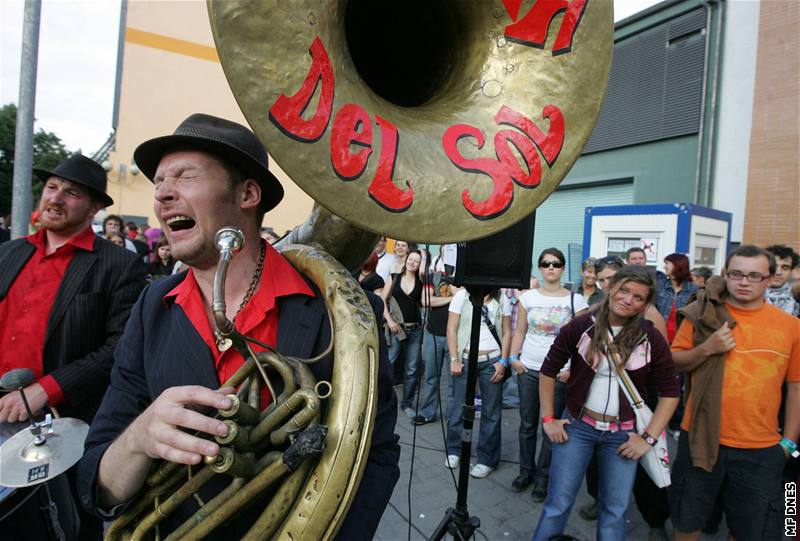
[(113, 338), (716, 358)]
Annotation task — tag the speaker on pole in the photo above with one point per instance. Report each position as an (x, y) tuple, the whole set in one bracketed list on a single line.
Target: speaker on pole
[(500, 260)]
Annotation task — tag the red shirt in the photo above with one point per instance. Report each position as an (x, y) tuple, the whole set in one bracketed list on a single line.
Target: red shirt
[(258, 319), (25, 311)]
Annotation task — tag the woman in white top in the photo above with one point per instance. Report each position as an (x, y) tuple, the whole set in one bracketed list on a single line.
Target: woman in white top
[(490, 378), (542, 313)]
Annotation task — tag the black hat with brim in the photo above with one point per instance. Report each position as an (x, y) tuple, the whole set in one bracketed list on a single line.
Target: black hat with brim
[(81, 170), (220, 137)]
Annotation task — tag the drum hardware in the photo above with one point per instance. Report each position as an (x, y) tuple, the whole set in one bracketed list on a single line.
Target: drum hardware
[(27, 462), (17, 380), (47, 449)]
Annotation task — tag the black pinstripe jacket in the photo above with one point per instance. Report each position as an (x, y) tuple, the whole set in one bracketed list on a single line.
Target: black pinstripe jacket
[(162, 349), (88, 316)]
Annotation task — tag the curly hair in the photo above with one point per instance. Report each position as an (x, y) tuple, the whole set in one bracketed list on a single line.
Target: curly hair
[(785, 252)]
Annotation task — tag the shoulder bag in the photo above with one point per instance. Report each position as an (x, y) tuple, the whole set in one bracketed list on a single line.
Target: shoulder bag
[(655, 461)]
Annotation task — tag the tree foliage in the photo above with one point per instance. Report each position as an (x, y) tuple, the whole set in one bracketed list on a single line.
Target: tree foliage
[(48, 152)]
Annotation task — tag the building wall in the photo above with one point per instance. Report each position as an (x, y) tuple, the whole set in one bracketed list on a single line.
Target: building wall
[(735, 113), (662, 171), (773, 186), (170, 71)]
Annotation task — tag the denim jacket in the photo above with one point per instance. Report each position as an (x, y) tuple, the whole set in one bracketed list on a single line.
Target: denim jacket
[(666, 294)]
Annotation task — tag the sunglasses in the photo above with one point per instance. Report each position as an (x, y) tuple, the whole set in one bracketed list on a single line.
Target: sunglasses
[(553, 264)]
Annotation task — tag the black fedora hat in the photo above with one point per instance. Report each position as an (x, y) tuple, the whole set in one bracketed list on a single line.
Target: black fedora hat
[(81, 170), (220, 137)]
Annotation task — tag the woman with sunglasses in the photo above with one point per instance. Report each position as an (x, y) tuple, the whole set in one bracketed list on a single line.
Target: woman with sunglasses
[(613, 336), (542, 313)]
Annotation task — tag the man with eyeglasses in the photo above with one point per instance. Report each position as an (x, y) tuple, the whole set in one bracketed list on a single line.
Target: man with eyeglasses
[(738, 351)]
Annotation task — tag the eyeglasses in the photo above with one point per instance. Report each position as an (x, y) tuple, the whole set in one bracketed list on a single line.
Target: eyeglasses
[(554, 264), (753, 277)]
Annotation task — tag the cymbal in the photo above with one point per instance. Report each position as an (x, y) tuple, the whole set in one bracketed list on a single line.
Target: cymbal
[(24, 464)]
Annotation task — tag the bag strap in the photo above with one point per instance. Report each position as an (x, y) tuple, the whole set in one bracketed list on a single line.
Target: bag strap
[(625, 383), (490, 325), (572, 303)]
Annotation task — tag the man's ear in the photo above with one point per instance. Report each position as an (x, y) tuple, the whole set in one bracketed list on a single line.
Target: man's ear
[(250, 194)]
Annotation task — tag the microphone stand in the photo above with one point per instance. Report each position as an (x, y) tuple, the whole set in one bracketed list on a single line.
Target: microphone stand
[(457, 521)]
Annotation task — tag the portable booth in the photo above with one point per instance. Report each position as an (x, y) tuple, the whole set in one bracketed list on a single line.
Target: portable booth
[(701, 233)]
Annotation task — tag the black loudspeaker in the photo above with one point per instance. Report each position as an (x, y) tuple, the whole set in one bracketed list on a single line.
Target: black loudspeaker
[(500, 260)]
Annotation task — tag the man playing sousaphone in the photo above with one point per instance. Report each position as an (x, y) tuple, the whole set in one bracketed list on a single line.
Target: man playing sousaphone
[(209, 174)]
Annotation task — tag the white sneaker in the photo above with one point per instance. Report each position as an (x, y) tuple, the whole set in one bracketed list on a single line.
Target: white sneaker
[(410, 413), (452, 461), (479, 471)]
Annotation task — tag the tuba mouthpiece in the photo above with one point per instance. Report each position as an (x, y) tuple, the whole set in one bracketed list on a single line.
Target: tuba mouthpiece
[(229, 240)]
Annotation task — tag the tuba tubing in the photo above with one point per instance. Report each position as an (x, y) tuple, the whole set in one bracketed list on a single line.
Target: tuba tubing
[(341, 442)]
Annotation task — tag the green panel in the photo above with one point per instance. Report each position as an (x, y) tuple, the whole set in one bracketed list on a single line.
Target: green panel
[(662, 171), (559, 221)]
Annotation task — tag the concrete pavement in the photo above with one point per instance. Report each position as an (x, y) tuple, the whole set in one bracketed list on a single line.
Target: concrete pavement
[(504, 515)]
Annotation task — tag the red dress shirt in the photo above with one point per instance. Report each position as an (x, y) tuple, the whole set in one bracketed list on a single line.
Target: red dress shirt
[(25, 311), (258, 319)]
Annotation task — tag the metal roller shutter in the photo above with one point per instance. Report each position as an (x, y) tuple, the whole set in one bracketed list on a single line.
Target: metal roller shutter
[(559, 221)]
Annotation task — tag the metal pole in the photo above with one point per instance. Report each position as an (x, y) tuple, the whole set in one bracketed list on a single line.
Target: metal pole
[(23, 145)]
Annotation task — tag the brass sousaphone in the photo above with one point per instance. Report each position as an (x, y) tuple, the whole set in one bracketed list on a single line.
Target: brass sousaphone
[(430, 121)]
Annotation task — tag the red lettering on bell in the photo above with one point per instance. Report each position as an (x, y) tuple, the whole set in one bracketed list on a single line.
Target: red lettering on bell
[(383, 190), (526, 179), (532, 28), (287, 111), (550, 143), (506, 169), (351, 126), (500, 173)]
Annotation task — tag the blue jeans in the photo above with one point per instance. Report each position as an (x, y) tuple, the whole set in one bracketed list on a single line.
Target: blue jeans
[(511, 391), (491, 411), (434, 352), (408, 349), (529, 426), (570, 460)]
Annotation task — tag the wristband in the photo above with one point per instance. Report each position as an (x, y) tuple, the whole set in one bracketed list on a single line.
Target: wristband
[(791, 447), (504, 362), (512, 358), (548, 419), (454, 360)]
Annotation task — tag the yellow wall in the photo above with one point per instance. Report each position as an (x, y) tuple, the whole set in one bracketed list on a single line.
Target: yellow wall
[(170, 70)]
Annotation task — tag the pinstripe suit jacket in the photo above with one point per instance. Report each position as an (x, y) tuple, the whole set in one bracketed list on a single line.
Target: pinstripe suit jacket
[(161, 349), (88, 316)]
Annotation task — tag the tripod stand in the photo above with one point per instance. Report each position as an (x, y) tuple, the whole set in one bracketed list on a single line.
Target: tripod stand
[(457, 521)]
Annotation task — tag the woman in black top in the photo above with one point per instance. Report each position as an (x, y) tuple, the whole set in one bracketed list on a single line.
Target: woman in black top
[(164, 262), (404, 290), (368, 278)]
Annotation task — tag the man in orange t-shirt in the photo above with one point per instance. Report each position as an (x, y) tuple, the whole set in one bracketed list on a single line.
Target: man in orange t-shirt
[(760, 352)]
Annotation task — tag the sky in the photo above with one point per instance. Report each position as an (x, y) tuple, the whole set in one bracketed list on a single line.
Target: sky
[(77, 65)]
